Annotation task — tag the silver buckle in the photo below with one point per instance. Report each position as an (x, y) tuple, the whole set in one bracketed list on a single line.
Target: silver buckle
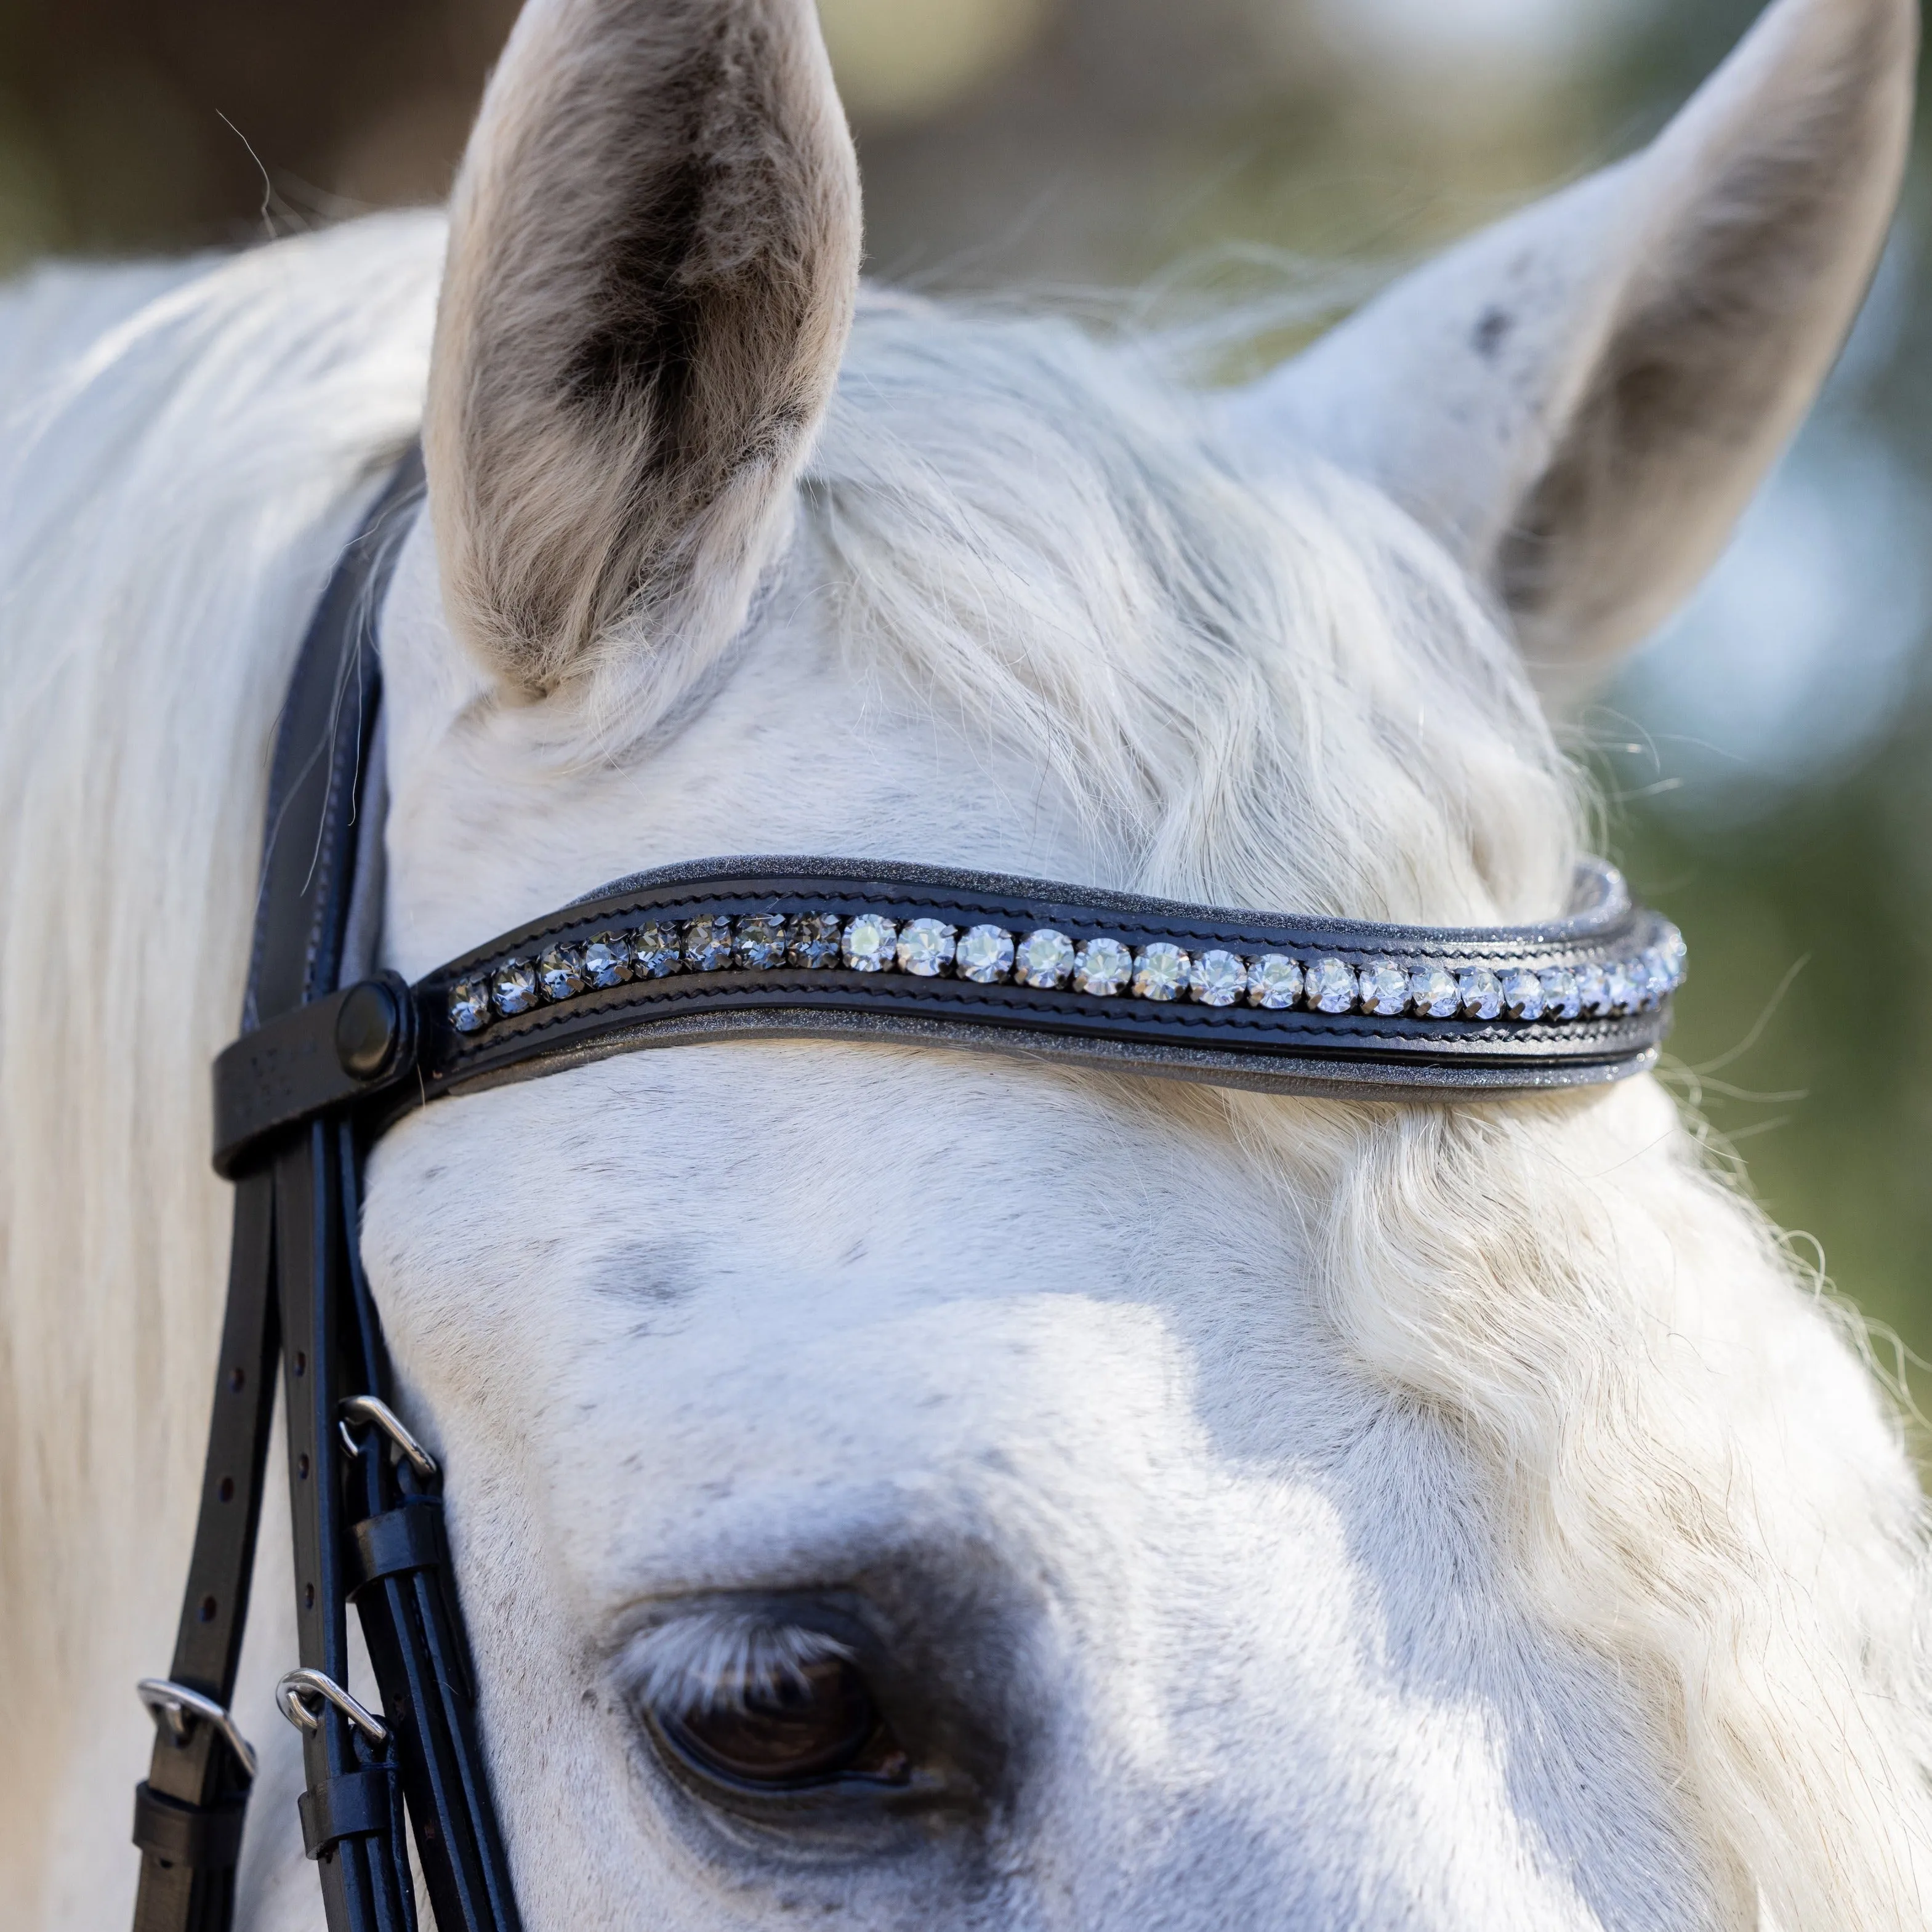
[(368, 1408), (179, 1708), (293, 1692)]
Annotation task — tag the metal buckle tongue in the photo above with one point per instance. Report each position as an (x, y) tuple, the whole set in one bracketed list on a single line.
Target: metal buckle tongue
[(179, 1707)]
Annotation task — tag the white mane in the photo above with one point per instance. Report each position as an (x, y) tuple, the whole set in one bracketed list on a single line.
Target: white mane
[(1271, 689), (1276, 692)]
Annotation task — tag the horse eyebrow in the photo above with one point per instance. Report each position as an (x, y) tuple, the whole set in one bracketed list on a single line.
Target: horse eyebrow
[(716, 1659)]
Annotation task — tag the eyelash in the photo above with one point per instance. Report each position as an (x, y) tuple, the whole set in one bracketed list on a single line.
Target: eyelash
[(714, 1660)]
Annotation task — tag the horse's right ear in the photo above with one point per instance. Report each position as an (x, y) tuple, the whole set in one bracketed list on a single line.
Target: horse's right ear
[(653, 254)]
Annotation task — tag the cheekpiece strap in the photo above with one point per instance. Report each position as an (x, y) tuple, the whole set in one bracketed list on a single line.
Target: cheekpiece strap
[(792, 948)]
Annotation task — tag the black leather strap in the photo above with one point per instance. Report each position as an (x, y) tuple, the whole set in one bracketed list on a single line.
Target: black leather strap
[(295, 1272), (188, 1835), (189, 1813), (400, 1541), (390, 1049), (358, 1804)]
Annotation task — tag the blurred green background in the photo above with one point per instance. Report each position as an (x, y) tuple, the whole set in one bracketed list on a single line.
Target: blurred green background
[(1770, 756)]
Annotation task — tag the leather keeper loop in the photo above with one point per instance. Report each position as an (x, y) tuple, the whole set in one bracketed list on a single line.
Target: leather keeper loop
[(208, 1838), (399, 1540), (359, 1804)]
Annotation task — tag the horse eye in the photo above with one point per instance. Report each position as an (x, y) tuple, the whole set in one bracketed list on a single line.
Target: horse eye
[(808, 1729)]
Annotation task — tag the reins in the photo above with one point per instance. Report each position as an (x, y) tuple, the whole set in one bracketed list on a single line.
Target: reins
[(332, 1052)]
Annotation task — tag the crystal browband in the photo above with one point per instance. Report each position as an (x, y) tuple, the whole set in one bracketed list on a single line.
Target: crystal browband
[(812, 948)]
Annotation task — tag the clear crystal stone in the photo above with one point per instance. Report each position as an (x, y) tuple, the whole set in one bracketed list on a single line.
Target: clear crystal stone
[(984, 954), (1621, 987), (1043, 958), (925, 947), (1663, 974), (1593, 990), (560, 973), (1102, 966), (707, 943), (514, 987), (1331, 986), (1218, 978), (1562, 997), (1160, 971), (760, 941), (1675, 954), (867, 946), (1661, 982), (606, 960), (1382, 987), (1274, 981), (655, 951), (1433, 994), (1482, 993), (469, 1006), (814, 944), (1523, 994)]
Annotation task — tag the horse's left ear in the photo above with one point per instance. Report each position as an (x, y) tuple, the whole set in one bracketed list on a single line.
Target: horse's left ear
[(1580, 400), (653, 255)]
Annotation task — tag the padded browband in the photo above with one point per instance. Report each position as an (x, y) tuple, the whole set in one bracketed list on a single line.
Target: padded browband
[(527, 1004)]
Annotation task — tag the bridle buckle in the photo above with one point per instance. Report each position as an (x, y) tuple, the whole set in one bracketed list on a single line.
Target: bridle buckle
[(181, 1708)]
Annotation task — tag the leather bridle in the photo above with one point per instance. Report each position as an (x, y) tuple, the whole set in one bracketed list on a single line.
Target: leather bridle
[(332, 1052)]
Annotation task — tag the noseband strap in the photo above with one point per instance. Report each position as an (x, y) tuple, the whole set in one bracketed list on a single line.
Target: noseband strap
[(736, 949)]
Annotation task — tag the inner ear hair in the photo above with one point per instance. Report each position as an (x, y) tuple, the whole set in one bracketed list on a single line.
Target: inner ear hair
[(1718, 343), (654, 252)]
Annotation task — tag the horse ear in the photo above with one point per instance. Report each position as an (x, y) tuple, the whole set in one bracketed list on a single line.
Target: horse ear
[(653, 255), (1580, 400)]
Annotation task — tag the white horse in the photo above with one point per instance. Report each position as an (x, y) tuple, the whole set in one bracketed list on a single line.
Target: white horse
[(1252, 1511)]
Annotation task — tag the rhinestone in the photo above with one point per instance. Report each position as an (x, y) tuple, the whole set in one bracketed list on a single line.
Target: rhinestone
[(1382, 988), (560, 973), (469, 1006), (1218, 978), (1593, 990), (1656, 976), (1675, 954), (1621, 987), (515, 987), (925, 947), (984, 954), (1043, 958), (1160, 971), (760, 940), (867, 946), (1522, 995), (707, 943), (1274, 981), (606, 960), (1433, 994), (1562, 999), (1331, 986), (1102, 966), (1482, 993), (654, 951), (814, 940)]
